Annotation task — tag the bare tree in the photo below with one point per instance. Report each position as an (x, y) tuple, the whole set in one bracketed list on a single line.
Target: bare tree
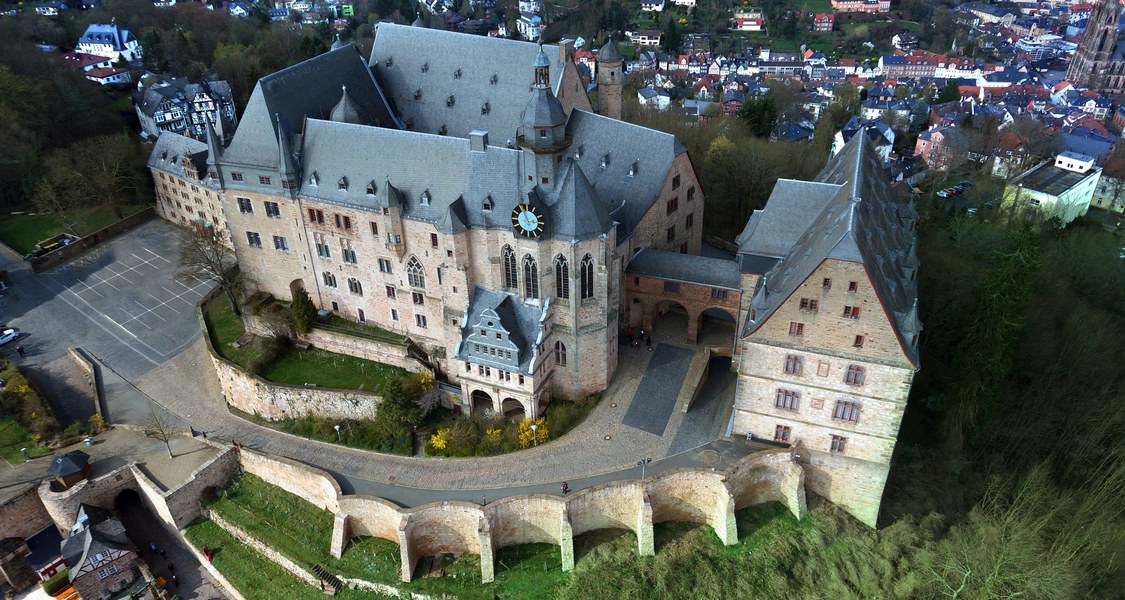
[(203, 257), (159, 425)]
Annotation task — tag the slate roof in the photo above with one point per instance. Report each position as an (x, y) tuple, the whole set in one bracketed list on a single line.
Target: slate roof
[(170, 147), (770, 232), (69, 463), (1048, 179), (521, 327), (491, 70), (98, 33), (180, 91), (310, 88), (686, 268), (94, 530), (44, 546), (623, 144), (863, 223)]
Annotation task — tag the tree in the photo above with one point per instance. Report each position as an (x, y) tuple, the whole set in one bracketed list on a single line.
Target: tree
[(204, 258), (950, 93), (153, 43), (106, 170), (672, 38), (159, 425), (304, 311), (398, 411), (760, 115)]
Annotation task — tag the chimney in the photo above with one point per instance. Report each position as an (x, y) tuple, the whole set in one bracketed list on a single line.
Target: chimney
[(566, 49), (478, 140)]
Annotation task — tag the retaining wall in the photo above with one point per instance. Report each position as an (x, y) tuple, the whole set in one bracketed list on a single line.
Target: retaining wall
[(695, 495), (24, 514), (65, 253)]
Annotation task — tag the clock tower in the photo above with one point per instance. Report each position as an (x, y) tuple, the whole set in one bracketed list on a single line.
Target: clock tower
[(542, 130)]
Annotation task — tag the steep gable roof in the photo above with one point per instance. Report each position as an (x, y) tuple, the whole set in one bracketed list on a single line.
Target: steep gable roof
[(862, 223), (308, 89), (444, 79)]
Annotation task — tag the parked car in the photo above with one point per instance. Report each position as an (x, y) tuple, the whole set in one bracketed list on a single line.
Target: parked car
[(8, 335), (967, 184)]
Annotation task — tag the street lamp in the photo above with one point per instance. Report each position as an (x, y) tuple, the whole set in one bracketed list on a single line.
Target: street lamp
[(641, 464), (534, 438), (337, 428)]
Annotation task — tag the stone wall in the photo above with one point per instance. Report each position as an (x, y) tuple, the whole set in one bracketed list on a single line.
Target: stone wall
[(100, 492), (183, 500), (65, 253), (696, 495), (273, 401), (381, 352), (24, 514)]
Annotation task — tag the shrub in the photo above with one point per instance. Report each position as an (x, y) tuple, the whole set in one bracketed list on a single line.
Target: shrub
[(97, 423), (57, 582), (304, 311), (529, 436)]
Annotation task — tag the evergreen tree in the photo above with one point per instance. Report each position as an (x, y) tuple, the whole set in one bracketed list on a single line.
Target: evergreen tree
[(304, 311)]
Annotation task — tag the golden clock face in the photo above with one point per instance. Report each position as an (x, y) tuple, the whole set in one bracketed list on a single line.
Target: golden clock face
[(527, 221)]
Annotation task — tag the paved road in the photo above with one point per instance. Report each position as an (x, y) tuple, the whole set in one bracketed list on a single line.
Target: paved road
[(79, 304)]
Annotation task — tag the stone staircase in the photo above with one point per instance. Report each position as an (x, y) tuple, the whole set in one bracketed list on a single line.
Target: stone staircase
[(695, 378), (329, 583)]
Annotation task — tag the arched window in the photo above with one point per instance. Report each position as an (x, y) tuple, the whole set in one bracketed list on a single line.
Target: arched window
[(560, 354), (510, 269), (586, 272), (562, 277), (530, 277), (414, 273)]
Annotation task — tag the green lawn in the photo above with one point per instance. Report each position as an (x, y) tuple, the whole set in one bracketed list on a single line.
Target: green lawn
[(293, 366), (338, 323), (328, 369), (302, 532), (257, 578), (22, 232), (13, 436)]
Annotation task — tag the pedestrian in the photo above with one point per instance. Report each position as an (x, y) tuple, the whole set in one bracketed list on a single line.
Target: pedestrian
[(152, 546), (21, 351), (565, 487), (175, 581)]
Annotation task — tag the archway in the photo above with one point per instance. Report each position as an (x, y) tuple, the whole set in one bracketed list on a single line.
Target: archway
[(296, 284), (636, 313), (482, 403), (670, 320), (513, 409), (716, 328)]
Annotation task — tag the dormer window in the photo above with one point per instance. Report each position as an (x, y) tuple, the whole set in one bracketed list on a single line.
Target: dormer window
[(342, 184), (493, 79), (578, 153), (449, 101), (633, 169), (425, 67), (485, 108), (371, 189), (426, 198), (441, 130), (605, 161), (487, 205), (163, 157), (390, 62), (457, 73), (418, 94)]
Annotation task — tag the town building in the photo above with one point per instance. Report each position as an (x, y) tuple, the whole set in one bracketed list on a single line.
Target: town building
[(1099, 63), (747, 20), (186, 194), (101, 559), (942, 147), (829, 348), (823, 22), (1059, 189), (1110, 191), (863, 6), (110, 41), (182, 107)]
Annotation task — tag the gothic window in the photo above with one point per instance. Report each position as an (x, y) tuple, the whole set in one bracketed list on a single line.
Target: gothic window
[(530, 277), (560, 354), (414, 273), (510, 271), (562, 277), (587, 274)]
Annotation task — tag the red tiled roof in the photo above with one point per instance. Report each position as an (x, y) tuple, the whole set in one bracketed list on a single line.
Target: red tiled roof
[(82, 60)]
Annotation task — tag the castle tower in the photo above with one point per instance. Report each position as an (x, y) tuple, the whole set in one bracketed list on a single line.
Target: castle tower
[(610, 80), (1097, 64), (542, 129)]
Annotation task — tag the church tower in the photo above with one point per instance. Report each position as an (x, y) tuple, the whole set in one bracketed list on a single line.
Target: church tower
[(610, 80), (542, 130), (1097, 64)]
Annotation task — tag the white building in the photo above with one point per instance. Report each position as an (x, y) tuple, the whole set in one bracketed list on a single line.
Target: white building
[(1061, 189), (110, 41)]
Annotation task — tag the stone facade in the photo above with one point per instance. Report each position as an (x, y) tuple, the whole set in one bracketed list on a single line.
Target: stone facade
[(185, 196), (90, 586), (24, 514), (1097, 64), (648, 298), (273, 401)]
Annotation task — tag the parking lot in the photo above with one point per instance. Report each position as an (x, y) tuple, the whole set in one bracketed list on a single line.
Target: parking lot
[(130, 286)]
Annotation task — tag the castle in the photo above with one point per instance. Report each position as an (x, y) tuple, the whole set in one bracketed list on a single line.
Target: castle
[(1099, 63), (460, 190)]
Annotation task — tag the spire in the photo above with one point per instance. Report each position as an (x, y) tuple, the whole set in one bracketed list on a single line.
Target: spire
[(345, 110), (219, 126), (285, 163), (418, 22), (609, 53), (338, 43), (542, 66), (214, 145)]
